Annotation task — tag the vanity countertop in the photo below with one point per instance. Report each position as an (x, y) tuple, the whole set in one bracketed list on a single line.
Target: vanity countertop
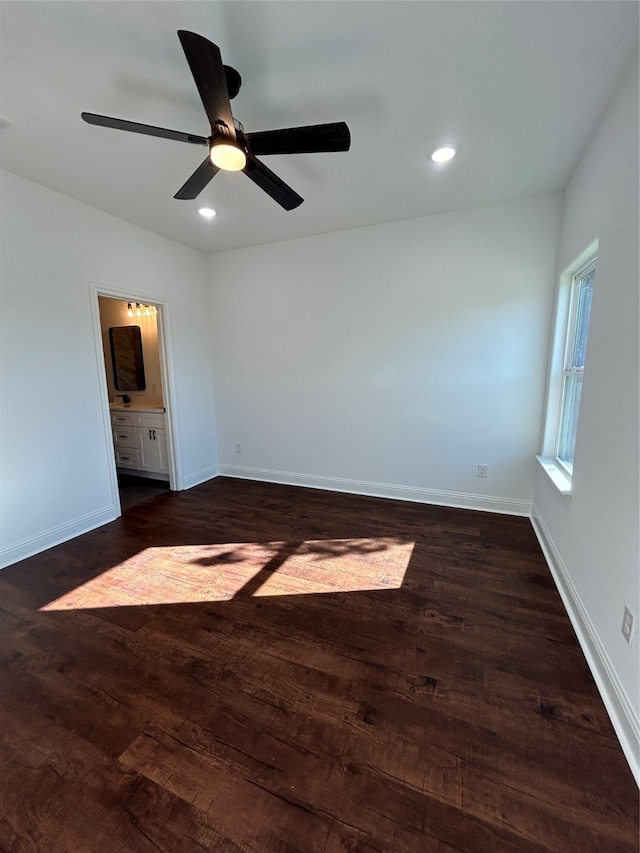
[(135, 407)]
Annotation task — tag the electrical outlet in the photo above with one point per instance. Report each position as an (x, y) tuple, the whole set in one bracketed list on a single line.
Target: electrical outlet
[(238, 447), (483, 470), (627, 625)]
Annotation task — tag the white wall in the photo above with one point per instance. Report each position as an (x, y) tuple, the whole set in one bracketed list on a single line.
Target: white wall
[(391, 359), (592, 539), (54, 453)]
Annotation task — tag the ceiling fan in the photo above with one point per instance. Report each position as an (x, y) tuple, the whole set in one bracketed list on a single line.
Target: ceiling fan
[(230, 148)]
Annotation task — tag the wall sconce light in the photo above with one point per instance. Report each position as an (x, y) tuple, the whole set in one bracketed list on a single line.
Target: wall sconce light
[(141, 309)]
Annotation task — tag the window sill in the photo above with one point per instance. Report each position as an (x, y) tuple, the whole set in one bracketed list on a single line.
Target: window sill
[(556, 475)]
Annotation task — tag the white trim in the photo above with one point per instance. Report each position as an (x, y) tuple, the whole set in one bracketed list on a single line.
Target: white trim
[(56, 535), (556, 474), (191, 480), (165, 352), (461, 500), (621, 712), (557, 349), (94, 292)]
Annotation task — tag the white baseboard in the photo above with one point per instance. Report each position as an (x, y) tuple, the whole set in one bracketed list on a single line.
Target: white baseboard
[(56, 535), (198, 477), (461, 500), (621, 712)]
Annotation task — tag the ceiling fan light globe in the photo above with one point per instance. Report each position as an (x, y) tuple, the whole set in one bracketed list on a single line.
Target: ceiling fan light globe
[(229, 157)]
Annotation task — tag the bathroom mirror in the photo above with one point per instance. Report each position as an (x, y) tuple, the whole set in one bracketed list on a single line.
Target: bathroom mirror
[(126, 355)]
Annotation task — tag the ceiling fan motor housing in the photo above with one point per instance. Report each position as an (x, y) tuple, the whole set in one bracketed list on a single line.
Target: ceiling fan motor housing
[(234, 81), (229, 147)]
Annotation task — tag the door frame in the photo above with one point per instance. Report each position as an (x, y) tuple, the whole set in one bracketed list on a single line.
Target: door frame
[(165, 352)]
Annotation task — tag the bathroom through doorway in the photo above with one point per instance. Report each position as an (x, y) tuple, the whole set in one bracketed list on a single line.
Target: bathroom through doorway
[(133, 356)]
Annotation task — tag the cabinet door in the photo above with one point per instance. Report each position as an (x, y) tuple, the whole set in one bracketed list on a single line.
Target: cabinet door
[(152, 450), (161, 456), (146, 449)]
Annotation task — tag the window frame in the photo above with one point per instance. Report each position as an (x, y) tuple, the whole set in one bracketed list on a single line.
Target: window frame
[(569, 371), (561, 343)]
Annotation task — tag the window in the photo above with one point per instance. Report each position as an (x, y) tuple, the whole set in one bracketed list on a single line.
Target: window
[(566, 370), (574, 358)]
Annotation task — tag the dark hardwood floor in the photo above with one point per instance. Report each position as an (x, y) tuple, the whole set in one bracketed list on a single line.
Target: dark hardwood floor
[(253, 667), (134, 490)]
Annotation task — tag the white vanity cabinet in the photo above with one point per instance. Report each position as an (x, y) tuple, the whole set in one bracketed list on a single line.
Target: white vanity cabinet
[(140, 442)]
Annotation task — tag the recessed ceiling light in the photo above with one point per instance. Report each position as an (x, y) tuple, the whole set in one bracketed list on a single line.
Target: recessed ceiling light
[(207, 212), (441, 155)]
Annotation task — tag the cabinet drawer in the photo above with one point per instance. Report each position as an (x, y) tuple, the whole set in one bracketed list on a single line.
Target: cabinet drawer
[(127, 457), (122, 418), (149, 419), (124, 436)]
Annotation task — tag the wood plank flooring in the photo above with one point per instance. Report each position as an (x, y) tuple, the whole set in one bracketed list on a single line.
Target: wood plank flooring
[(254, 667), (134, 490)]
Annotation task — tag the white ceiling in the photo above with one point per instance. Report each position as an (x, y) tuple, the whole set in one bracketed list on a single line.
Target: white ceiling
[(518, 86)]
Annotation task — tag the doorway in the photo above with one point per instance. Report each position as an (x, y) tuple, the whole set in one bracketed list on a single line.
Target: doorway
[(134, 364)]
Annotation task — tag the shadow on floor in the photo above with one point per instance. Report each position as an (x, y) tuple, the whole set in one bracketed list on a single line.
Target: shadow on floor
[(135, 490)]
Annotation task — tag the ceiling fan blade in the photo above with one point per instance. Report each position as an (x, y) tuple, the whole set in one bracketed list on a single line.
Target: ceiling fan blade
[(198, 181), (301, 140), (206, 66), (148, 129), (271, 184)]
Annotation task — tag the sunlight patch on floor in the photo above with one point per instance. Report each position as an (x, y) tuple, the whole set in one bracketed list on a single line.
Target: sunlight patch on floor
[(197, 573)]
